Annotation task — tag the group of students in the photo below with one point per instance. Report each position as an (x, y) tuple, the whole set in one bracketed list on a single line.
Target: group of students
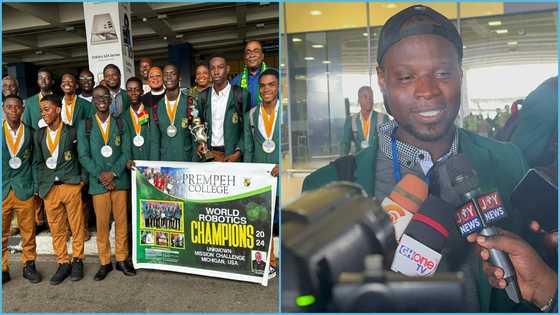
[(53, 147)]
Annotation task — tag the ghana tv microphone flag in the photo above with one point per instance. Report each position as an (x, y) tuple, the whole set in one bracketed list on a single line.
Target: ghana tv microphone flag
[(212, 219)]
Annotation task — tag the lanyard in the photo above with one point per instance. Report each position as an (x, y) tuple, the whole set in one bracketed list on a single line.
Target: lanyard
[(396, 164)]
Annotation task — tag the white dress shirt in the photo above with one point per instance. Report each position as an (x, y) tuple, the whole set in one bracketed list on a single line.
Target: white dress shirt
[(219, 105)]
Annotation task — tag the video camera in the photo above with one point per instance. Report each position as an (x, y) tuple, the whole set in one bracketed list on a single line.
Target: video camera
[(337, 244)]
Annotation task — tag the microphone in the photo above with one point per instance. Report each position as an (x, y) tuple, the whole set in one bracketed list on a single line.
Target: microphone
[(404, 201), (418, 253), (479, 213)]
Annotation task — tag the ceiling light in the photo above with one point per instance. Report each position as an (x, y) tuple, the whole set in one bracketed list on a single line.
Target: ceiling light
[(315, 12), (309, 58), (162, 16), (495, 23), (365, 34), (326, 62), (144, 19), (179, 36), (390, 6), (300, 77), (69, 29), (512, 43), (464, 47), (260, 25), (38, 52), (317, 46), (164, 37), (282, 65), (297, 40), (502, 31)]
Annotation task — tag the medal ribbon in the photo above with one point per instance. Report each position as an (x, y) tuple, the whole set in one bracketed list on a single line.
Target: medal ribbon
[(269, 121), (104, 133), (245, 79), (172, 111), (13, 145), (135, 121), (365, 126), (52, 146), (70, 114)]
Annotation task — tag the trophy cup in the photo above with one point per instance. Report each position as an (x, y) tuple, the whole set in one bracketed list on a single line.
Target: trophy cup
[(197, 127)]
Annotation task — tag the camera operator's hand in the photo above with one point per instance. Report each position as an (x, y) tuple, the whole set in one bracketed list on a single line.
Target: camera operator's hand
[(536, 280)]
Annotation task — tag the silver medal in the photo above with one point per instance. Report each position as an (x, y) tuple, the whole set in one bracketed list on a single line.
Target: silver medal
[(15, 162), (171, 131), (138, 140), (365, 144), (106, 151), (268, 146), (51, 163)]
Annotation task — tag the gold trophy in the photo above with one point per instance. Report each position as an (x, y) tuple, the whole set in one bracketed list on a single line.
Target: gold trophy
[(197, 127)]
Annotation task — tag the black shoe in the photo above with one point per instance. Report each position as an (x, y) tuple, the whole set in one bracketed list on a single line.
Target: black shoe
[(126, 268), (30, 273), (77, 269), (5, 277), (103, 271), (61, 273)]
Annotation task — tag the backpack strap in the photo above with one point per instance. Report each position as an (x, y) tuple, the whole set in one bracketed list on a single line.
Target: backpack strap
[(345, 167)]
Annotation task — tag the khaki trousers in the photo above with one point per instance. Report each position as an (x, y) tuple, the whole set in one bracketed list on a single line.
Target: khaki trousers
[(63, 205), (114, 202), (25, 213)]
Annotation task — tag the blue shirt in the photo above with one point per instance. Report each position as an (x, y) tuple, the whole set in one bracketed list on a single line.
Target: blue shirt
[(252, 85)]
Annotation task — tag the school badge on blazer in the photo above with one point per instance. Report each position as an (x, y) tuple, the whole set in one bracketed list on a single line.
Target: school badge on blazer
[(234, 118), (68, 155), (26, 154), (247, 182), (184, 123), (117, 140)]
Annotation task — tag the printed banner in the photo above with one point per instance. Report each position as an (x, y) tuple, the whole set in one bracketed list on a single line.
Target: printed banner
[(212, 219)]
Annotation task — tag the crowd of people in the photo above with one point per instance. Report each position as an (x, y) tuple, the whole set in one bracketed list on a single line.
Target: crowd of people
[(55, 146)]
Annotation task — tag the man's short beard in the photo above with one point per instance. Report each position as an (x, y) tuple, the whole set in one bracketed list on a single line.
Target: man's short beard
[(428, 136)]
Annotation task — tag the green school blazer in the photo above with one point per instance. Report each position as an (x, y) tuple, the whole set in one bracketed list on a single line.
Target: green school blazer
[(32, 112), (83, 110), (353, 132), (180, 147), (19, 180), (233, 121), (67, 167), (89, 149), (499, 165), (151, 137), (253, 139)]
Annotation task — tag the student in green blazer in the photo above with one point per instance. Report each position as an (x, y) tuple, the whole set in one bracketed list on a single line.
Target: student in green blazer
[(17, 187), (262, 136), (32, 113), (262, 131), (74, 108), (172, 126), (104, 150), (140, 124), (112, 79), (361, 128), (58, 182), (222, 108), (420, 75)]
